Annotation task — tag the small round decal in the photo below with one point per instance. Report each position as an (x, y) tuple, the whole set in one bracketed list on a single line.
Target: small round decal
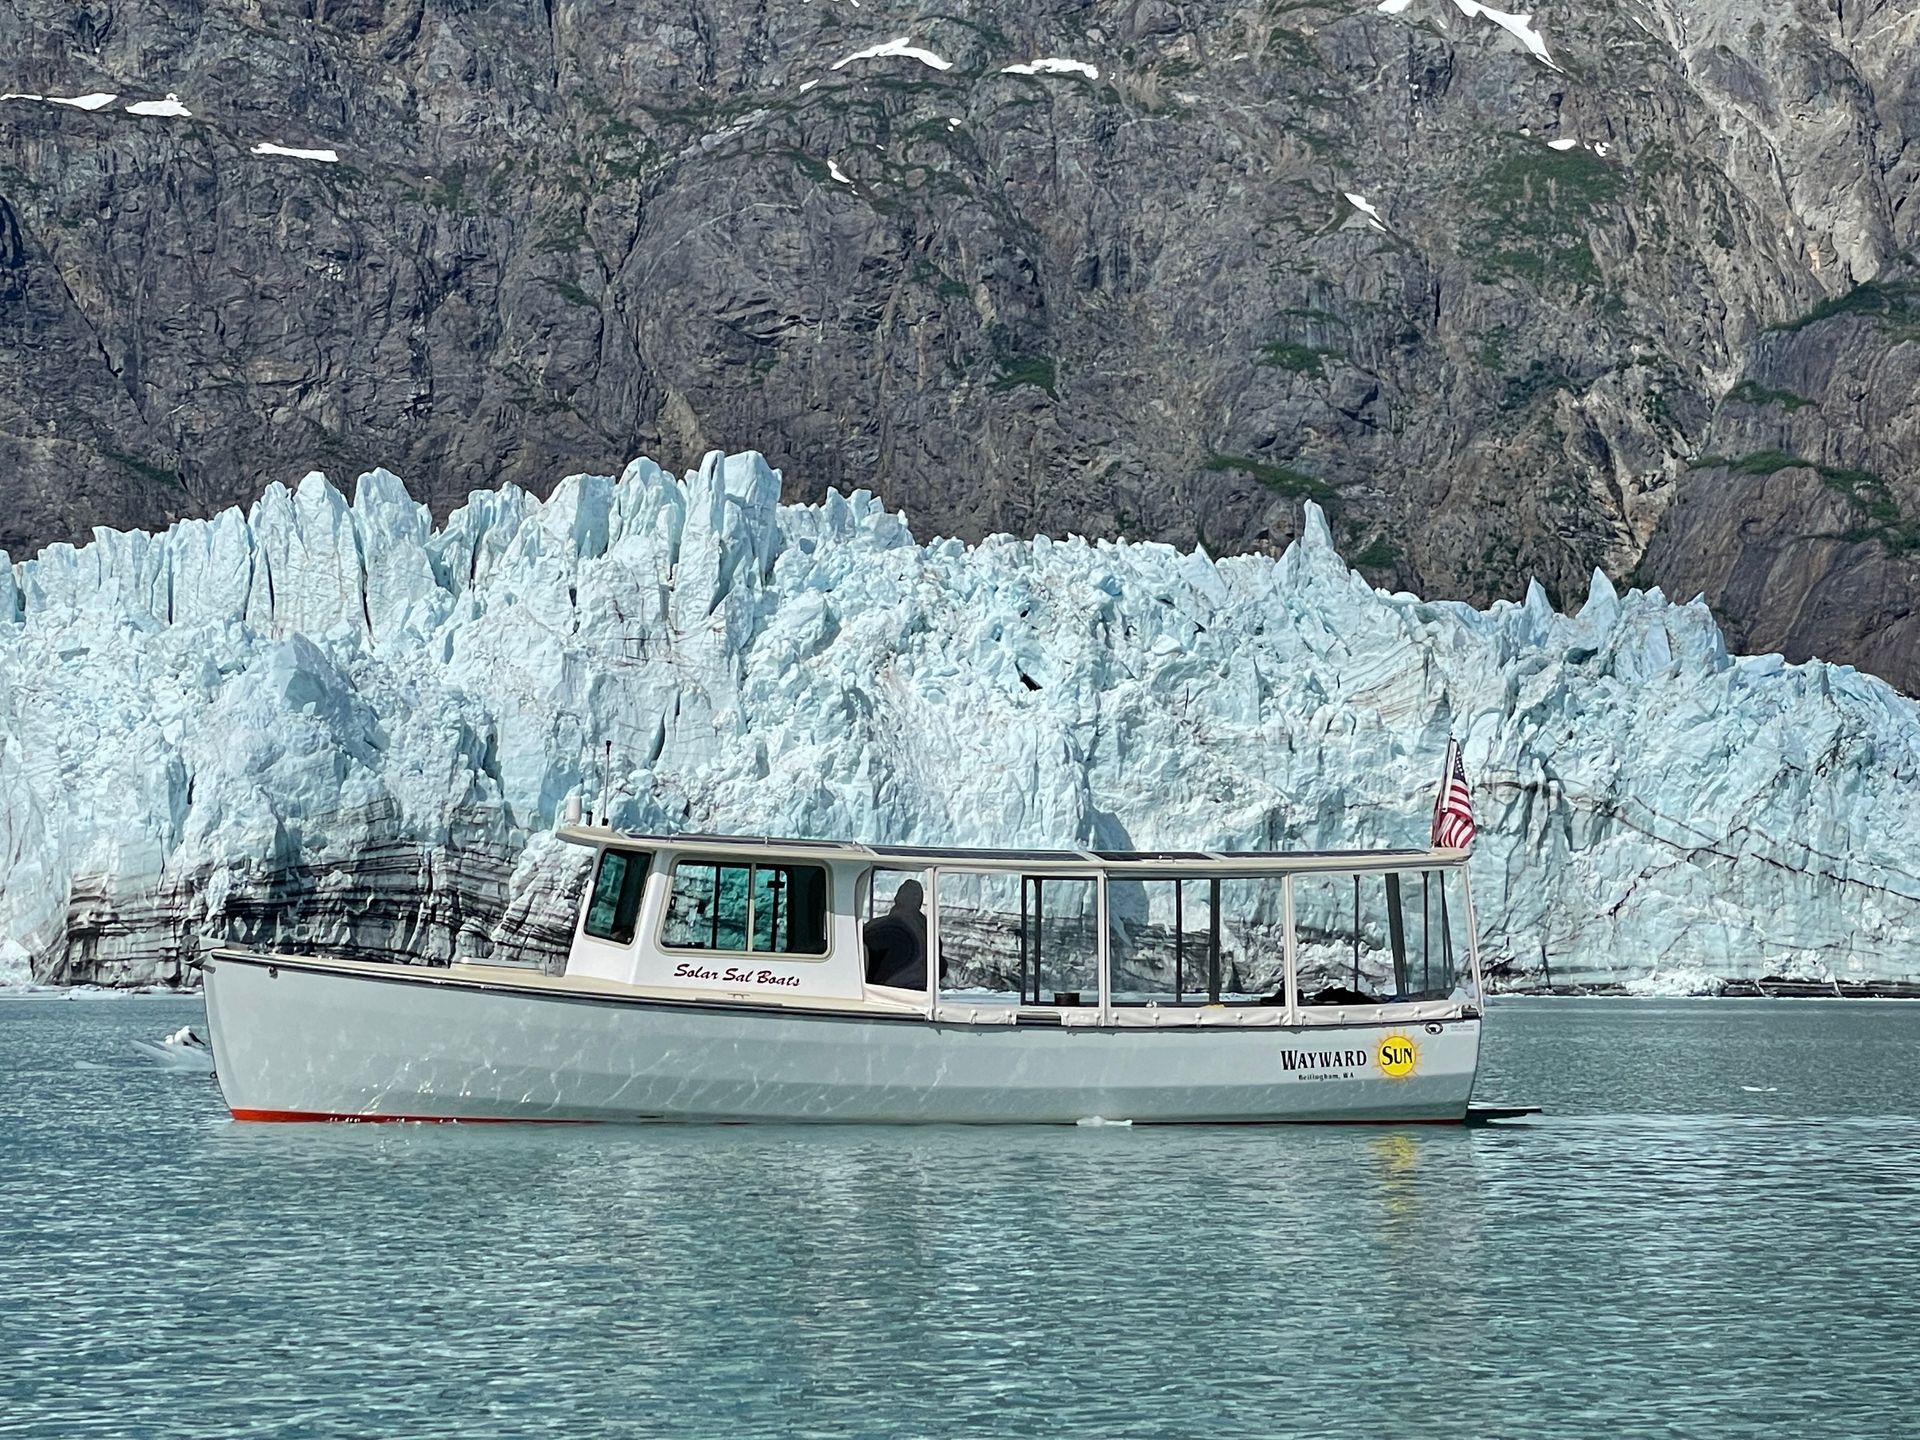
[(1397, 1056)]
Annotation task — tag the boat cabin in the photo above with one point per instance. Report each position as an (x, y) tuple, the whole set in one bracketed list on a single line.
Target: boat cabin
[(1067, 937)]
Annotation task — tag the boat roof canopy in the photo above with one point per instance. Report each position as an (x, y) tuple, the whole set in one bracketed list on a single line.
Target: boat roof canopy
[(1137, 864)]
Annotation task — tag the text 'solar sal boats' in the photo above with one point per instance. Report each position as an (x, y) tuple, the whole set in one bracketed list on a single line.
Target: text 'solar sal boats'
[(725, 978)]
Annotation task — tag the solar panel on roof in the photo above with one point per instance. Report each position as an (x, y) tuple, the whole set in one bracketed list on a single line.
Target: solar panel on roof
[(785, 841), (959, 855), (1313, 854), (930, 852)]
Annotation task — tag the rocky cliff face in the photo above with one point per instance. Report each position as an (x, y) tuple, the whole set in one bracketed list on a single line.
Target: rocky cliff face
[(1633, 289)]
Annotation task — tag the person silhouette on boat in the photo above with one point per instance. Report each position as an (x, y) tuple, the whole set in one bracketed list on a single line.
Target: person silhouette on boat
[(897, 941)]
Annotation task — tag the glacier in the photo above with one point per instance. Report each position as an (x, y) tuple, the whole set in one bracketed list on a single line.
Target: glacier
[(328, 723)]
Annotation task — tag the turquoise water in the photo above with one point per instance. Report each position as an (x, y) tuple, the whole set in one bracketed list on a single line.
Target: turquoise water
[(1669, 1252)]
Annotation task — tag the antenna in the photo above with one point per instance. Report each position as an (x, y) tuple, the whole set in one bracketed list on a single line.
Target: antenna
[(606, 786)]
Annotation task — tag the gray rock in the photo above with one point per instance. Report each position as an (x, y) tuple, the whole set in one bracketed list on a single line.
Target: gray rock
[(564, 234)]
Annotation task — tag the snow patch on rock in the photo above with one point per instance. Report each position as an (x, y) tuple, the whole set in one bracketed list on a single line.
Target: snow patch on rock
[(268, 147), (902, 47), (169, 108), (96, 101), (1053, 65), (1365, 207), (1519, 26)]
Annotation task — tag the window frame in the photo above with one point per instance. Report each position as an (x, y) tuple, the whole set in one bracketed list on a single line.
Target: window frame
[(752, 867), (630, 855), (863, 915), (938, 906), (1442, 944)]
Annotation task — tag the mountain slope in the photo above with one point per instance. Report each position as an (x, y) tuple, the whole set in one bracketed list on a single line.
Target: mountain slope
[(1682, 348)]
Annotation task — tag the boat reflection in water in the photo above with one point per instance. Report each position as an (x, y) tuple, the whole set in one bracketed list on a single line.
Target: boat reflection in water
[(728, 979)]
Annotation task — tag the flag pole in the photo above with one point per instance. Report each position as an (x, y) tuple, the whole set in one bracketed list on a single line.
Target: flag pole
[(1440, 795)]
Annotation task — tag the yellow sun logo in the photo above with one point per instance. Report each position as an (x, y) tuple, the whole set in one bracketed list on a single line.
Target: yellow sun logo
[(1397, 1056)]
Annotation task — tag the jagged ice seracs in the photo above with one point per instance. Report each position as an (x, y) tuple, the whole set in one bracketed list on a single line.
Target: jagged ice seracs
[(327, 724)]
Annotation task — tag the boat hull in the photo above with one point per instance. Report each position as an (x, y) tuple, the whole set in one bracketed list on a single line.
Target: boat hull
[(298, 1041)]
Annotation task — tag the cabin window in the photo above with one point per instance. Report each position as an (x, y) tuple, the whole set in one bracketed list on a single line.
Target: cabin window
[(758, 909), (790, 909), (893, 934), (615, 907), (1375, 939), (1025, 939), (1204, 940), (1060, 931)]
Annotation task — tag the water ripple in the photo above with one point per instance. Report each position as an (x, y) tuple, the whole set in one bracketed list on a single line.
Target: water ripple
[(1666, 1253)]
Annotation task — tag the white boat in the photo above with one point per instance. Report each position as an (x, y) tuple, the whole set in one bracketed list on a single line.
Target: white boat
[(729, 979)]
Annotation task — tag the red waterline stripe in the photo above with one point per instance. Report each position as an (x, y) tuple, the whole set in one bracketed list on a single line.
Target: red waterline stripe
[(319, 1117), (1329, 1120), (324, 1117)]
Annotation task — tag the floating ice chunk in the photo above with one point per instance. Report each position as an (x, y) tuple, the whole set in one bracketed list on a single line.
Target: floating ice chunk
[(182, 1050), (99, 100), (1562, 144), (833, 169), (267, 147), (1360, 203), (1053, 65), (953, 124), (169, 108), (1601, 148), (807, 85), (1677, 984), (902, 46), (1519, 26), (1761, 1089)]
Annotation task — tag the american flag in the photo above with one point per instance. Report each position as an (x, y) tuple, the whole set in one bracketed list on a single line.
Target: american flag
[(1453, 806)]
